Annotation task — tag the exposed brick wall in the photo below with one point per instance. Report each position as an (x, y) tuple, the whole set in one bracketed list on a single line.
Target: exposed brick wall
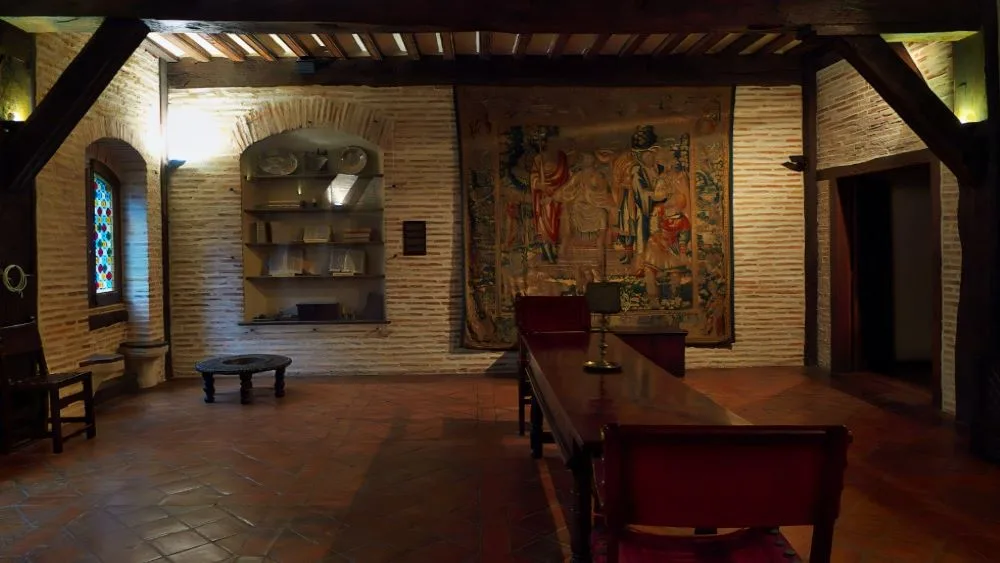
[(127, 111), (854, 125), (424, 293)]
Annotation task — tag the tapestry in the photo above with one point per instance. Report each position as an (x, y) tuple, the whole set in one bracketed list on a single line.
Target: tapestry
[(563, 186)]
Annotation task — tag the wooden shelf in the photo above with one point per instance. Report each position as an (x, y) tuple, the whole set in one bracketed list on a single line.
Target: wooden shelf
[(301, 243), (273, 210), (317, 176), (317, 277), (337, 322)]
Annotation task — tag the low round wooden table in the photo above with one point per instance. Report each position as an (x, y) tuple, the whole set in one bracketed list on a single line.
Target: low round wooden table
[(244, 366)]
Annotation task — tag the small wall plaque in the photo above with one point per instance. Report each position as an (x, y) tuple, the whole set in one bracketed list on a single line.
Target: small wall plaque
[(414, 238)]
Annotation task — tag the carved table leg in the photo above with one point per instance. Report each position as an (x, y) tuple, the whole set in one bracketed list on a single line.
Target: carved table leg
[(535, 434), (246, 388), (209, 379), (581, 509), (279, 382)]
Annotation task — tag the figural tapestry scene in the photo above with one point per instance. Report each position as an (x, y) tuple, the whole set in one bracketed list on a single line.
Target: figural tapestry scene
[(564, 186)]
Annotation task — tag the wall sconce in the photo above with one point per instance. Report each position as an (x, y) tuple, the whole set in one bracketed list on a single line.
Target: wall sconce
[(796, 163)]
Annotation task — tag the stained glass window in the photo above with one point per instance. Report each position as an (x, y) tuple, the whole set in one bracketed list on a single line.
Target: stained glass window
[(104, 236)]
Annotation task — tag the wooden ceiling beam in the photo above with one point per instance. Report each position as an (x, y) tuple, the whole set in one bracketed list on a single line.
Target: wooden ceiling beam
[(331, 45), (552, 16), (668, 44), (674, 70), (521, 41), (259, 47), (485, 44), (189, 46), (776, 44), (412, 48), (705, 43), (226, 46), (558, 46), (741, 43), (294, 45), (632, 44), (917, 105), (597, 46), (157, 51), (448, 46), (32, 145), (373, 51)]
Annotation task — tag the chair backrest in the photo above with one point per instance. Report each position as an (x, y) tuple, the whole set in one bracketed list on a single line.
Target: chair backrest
[(544, 313), (723, 477), (21, 355)]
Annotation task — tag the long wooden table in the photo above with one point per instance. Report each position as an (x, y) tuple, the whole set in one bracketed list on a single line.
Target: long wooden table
[(577, 404)]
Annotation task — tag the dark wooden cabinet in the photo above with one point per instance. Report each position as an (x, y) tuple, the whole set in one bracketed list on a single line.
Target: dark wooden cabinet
[(664, 346)]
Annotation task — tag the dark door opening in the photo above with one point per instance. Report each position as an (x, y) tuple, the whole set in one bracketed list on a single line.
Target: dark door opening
[(886, 274)]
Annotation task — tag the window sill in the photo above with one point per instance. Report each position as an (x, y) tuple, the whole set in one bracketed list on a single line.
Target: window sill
[(104, 319)]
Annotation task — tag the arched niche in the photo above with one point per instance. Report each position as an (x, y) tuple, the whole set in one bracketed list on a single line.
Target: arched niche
[(313, 230)]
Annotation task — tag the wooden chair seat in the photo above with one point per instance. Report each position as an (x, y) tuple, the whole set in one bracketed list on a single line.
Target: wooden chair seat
[(23, 369)]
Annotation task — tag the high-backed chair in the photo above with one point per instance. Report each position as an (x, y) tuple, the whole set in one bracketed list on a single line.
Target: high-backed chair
[(754, 478), (542, 313), (23, 373)]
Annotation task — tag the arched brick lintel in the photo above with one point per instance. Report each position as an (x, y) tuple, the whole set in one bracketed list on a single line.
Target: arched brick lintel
[(272, 118)]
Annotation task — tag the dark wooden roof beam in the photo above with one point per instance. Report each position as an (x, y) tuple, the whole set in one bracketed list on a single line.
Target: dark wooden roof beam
[(741, 43), (597, 46), (668, 44), (331, 45), (521, 41), (447, 45), (632, 44), (189, 46), (708, 41), (371, 46), (294, 45), (558, 45), (485, 44), (410, 42), (226, 46), (259, 47), (776, 44), (157, 51)]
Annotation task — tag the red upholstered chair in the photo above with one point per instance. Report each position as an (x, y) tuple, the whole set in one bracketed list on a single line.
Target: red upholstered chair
[(542, 313), (754, 478)]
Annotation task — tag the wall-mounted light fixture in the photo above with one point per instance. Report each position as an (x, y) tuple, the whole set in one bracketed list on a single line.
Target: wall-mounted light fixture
[(796, 163)]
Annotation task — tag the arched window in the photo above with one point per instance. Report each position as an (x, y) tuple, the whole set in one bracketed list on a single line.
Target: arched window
[(105, 241)]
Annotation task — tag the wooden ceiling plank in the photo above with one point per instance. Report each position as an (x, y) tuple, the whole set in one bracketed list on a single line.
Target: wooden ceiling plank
[(597, 46), (159, 52), (412, 49), (558, 46), (678, 70), (86, 77), (226, 46), (776, 44), (521, 45), (259, 47), (632, 44), (332, 46), (448, 45), (294, 45), (705, 43), (741, 43), (909, 95), (189, 46), (551, 16), (370, 44), (485, 44), (668, 44)]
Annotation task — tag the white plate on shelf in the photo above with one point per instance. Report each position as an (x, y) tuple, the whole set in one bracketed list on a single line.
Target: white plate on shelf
[(353, 160), (277, 163)]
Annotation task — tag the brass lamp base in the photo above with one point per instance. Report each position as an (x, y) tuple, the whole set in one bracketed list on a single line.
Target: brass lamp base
[(601, 366)]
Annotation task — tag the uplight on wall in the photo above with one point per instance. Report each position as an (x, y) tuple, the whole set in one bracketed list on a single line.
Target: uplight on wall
[(194, 136), (970, 79)]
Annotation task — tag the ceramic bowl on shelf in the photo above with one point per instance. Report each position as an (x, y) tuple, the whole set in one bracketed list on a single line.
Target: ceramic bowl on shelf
[(278, 163), (353, 160)]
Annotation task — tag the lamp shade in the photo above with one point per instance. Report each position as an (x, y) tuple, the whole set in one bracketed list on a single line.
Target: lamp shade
[(604, 298)]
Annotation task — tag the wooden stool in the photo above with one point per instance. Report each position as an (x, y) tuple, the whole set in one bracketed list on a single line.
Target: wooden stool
[(22, 368)]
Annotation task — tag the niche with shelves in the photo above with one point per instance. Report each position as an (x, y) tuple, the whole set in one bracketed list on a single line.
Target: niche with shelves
[(313, 230)]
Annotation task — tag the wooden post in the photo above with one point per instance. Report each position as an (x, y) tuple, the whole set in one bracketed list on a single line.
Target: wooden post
[(83, 81)]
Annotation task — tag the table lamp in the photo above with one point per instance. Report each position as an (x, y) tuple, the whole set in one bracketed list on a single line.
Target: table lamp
[(603, 298)]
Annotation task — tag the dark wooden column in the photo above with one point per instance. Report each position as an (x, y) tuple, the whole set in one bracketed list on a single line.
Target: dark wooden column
[(811, 201), (76, 90)]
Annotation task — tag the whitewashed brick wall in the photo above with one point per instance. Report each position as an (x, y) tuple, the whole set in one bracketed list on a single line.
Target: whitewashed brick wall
[(128, 111), (854, 125), (424, 294)]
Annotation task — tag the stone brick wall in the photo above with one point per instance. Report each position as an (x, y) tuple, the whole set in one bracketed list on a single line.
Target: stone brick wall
[(854, 125), (126, 113), (424, 293)]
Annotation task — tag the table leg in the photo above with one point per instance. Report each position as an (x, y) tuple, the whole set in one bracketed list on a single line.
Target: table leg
[(581, 510), (535, 434), (246, 388), (209, 380), (279, 382)]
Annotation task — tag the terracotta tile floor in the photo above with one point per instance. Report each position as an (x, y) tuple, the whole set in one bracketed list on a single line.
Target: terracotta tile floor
[(430, 469)]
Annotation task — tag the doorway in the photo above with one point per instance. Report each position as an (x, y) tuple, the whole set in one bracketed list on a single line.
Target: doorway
[(886, 273)]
